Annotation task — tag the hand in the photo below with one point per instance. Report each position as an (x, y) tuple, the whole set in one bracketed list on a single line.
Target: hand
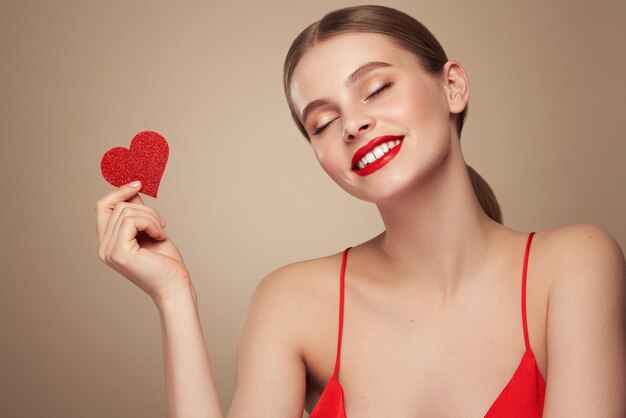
[(132, 241)]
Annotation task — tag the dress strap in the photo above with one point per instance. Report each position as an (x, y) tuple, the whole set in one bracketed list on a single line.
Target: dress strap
[(342, 280), (524, 321)]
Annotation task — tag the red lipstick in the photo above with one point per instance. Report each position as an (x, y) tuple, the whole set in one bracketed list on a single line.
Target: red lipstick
[(380, 162)]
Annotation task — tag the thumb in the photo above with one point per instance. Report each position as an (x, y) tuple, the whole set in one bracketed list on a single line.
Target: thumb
[(130, 192), (105, 206)]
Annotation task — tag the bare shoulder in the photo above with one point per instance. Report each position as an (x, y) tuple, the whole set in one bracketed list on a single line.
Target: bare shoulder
[(588, 266), (586, 263), (290, 295), (586, 323), (297, 280), (579, 234), (271, 340), (584, 252)]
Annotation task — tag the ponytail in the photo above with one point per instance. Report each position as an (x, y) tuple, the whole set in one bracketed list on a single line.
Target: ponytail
[(485, 195)]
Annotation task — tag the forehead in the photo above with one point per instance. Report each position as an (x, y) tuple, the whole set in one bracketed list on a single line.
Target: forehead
[(323, 69)]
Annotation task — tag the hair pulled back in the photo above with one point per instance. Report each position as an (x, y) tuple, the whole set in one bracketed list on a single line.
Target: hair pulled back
[(406, 32)]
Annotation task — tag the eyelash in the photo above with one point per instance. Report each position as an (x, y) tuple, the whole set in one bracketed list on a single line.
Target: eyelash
[(379, 90), (375, 93), (320, 129)]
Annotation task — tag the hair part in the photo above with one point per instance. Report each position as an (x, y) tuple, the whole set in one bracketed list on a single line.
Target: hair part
[(407, 33)]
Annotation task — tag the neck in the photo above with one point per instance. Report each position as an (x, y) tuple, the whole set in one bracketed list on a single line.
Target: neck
[(437, 230)]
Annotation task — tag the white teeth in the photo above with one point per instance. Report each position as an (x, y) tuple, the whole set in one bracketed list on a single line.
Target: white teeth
[(376, 153)]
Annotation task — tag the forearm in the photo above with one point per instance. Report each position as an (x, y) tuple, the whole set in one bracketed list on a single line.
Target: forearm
[(189, 385)]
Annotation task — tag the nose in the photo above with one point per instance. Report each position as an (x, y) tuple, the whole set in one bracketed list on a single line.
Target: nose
[(356, 125)]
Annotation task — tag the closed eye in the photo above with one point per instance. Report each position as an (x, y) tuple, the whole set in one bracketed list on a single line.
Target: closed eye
[(321, 128), (374, 94), (379, 90)]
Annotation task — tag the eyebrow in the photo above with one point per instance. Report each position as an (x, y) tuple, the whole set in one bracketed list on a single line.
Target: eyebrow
[(364, 69), (352, 78)]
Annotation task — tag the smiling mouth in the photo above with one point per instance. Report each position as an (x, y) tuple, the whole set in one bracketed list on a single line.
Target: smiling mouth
[(376, 154)]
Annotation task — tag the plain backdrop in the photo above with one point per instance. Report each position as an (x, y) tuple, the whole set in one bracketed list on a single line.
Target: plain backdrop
[(242, 193)]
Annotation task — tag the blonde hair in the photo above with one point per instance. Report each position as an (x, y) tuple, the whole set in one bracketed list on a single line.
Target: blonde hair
[(406, 32)]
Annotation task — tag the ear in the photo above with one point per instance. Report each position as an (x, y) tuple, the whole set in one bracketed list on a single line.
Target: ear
[(456, 86)]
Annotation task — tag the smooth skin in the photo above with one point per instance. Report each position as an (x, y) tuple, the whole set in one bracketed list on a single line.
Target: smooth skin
[(433, 321)]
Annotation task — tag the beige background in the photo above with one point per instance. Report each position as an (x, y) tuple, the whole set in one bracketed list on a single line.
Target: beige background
[(242, 193)]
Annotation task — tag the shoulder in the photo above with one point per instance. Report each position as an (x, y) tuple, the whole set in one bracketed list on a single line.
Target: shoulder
[(579, 234), (289, 296), (589, 270), (587, 264), (586, 321), (583, 253), (297, 279), (271, 339)]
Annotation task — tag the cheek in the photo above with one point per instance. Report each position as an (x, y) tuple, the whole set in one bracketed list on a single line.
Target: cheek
[(419, 108), (324, 156), (331, 161), (319, 154)]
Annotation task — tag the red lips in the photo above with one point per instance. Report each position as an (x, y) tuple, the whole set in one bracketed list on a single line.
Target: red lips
[(380, 162)]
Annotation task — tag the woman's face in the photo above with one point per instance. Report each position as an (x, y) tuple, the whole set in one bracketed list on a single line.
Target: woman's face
[(378, 123)]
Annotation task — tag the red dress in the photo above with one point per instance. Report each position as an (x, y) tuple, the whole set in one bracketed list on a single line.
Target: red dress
[(522, 397)]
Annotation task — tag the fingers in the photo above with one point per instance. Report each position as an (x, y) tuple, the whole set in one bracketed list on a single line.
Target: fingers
[(136, 199), (114, 208), (105, 206), (123, 209), (123, 240), (120, 240)]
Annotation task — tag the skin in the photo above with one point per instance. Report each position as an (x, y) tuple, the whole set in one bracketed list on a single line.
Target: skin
[(433, 321)]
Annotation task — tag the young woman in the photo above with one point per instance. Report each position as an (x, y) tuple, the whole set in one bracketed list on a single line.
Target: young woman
[(447, 313)]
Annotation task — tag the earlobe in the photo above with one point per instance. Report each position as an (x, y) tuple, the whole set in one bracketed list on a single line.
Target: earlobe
[(457, 86)]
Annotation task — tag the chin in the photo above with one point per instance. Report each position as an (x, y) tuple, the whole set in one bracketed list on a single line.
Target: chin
[(382, 189)]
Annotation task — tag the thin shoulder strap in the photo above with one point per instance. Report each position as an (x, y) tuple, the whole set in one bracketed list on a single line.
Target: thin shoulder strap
[(342, 280), (525, 323)]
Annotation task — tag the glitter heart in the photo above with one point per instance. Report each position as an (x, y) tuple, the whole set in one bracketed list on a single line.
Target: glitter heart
[(144, 161)]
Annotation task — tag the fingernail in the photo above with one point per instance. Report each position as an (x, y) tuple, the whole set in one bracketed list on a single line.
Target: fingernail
[(162, 220), (134, 184)]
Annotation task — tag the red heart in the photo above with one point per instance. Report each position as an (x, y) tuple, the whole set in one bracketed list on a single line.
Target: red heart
[(144, 161)]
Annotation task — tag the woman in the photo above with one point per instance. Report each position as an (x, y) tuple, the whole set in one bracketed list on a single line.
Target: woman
[(447, 312)]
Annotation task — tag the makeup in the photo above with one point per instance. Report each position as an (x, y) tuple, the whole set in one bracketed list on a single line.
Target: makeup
[(376, 154)]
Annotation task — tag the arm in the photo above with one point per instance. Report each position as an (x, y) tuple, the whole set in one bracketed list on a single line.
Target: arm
[(586, 330), (189, 386), (271, 376), (270, 372), (153, 263)]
